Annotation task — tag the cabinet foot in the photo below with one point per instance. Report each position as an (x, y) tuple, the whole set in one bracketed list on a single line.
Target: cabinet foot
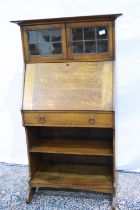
[(31, 194)]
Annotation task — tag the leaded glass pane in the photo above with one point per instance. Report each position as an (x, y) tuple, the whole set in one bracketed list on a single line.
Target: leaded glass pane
[(56, 48), (90, 40), (34, 49), (102, 46), (44, 36), (90, 47), (45, 48), (45, 42), (78, 47), (77, 34), (33, 37), (55, 35), (89, 33)]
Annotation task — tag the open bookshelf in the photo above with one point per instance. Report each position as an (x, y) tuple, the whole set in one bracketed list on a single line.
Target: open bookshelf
[(71, 157)]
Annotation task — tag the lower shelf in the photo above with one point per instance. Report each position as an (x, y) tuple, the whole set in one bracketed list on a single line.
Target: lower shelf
[(67, 146), (86, 177)]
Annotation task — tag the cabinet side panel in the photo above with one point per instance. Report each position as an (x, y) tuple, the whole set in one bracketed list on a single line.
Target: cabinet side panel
[(107, 86), (28, 87)]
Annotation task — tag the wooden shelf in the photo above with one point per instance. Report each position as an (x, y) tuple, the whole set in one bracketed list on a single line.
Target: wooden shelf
[(79, 147), (86, 177)]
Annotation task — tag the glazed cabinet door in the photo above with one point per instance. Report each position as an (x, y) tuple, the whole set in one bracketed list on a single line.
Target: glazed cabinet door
[(90, 41), (84, 41), (43, 43)]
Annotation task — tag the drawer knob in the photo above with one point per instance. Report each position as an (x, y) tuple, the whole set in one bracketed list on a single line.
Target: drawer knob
[(91, 119), (42, 118)]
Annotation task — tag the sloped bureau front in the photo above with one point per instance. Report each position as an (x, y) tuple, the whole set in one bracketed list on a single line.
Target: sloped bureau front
[(69, 86)]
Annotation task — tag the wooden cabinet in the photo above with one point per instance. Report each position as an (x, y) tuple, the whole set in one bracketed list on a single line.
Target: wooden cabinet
[(76, 39), (68, 102)]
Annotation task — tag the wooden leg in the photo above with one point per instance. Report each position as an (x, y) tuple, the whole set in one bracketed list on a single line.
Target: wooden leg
[(113, 203), (114, 197), (31, 194)]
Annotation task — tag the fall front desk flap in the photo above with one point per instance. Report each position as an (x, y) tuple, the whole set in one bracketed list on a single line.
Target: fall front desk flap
[(68, 86)]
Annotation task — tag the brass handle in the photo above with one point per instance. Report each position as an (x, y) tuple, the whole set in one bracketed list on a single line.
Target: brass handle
[(42, 118), (69, 43), (91, 119)]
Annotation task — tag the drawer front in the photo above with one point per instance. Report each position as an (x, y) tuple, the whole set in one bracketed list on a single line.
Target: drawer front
[(85, 119)]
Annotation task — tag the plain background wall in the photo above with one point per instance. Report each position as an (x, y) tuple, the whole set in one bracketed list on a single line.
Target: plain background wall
[(12, 135)]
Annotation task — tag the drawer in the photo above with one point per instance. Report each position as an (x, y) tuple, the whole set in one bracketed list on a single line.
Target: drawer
[(79, 119)]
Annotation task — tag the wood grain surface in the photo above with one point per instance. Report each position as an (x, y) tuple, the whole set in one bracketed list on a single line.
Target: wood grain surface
[(68, 86), (66, 146), (87, 177), (76, 119)]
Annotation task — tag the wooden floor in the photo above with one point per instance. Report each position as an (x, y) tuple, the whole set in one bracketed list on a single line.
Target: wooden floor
[(88, 147), (86, 177)]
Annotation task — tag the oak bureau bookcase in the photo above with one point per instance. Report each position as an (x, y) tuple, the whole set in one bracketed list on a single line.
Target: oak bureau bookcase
[(68, 102)]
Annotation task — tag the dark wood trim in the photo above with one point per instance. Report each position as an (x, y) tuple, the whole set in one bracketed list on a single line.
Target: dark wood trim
[(106, 17), (67, 111)]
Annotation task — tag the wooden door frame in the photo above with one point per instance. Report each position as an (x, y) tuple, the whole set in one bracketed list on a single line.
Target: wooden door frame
[(97, 56), (38, 58)]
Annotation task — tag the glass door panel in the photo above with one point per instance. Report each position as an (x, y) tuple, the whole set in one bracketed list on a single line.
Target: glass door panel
[(45, 43)]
